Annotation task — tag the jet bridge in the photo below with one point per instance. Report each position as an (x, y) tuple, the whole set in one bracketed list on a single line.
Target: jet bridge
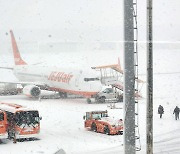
[(110, 74), (113, 75)]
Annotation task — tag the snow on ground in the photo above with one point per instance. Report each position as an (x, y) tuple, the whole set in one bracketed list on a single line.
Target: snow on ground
[(62, 127), (62, 119)]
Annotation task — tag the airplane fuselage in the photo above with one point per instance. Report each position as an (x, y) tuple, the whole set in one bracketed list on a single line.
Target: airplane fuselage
[(60, 79)]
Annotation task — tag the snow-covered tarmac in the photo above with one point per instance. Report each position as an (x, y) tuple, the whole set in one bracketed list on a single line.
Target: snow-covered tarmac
[(62, 128), (62, 125)]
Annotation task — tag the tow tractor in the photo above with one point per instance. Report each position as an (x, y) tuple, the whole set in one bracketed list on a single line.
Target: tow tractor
[(99, 121)]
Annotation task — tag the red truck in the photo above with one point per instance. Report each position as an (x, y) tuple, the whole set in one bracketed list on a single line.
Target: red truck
[(99, 121)]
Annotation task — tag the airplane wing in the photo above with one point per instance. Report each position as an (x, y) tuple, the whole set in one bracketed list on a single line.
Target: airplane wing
[(39, 84), (7, 68)]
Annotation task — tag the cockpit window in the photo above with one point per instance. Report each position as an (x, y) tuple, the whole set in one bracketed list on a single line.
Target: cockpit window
[(91, 79)]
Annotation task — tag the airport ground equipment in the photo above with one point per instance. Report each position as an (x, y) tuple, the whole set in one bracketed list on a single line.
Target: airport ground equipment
[(109, 95), (21, 121), (8, 89), (99, 121)]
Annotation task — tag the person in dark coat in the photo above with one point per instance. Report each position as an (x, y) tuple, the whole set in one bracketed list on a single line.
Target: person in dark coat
[(176, 112), (160, 110)]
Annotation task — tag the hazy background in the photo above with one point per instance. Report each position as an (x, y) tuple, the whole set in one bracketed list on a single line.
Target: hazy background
[(65, 29), (52, 21)]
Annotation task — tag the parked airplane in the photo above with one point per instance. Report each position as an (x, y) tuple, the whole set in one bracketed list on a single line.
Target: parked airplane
[(65, 80)]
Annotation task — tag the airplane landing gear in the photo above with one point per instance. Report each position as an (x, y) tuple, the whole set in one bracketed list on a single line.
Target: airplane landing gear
[(88, 100), (63, 94)]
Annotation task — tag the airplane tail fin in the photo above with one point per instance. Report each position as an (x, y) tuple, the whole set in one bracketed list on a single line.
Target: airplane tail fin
[(17, 57)]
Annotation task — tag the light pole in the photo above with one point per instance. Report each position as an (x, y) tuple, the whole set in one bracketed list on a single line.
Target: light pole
[(129, 79), (149, 117)]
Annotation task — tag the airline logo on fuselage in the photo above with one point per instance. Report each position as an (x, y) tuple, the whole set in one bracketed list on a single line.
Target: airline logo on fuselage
[(60, 77)]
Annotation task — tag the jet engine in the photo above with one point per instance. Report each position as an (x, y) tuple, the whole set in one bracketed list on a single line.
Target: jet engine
[(31, 91)]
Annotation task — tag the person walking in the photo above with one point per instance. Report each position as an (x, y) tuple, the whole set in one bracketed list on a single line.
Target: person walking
[(160, 110), (176, 112)]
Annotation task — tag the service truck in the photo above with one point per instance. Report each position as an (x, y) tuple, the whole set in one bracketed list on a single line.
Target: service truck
[(109, 94), (8, 89), (99, 121)]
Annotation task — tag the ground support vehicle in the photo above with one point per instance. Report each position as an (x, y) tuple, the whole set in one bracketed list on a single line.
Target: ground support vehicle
[(3, 125), (109, 95), (21, 121), (99, 121), (8, 89)]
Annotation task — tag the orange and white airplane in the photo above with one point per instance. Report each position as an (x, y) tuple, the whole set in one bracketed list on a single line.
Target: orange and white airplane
[(65, 80)]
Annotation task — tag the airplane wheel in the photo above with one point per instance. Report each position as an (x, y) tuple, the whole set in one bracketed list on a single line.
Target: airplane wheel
[(120, 98), (88, 100), (63, 95), (106, 130), (102, 99), (121, 133), (94, 127)]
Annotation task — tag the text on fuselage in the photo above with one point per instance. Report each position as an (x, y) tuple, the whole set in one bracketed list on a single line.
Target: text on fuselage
[(60, 77)]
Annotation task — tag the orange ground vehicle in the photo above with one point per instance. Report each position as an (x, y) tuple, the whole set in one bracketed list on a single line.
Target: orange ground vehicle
[(99, 121), (21, 122), (3, 125)]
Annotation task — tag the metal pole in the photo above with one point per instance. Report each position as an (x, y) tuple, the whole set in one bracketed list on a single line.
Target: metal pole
[(149, 117), (129, 102)]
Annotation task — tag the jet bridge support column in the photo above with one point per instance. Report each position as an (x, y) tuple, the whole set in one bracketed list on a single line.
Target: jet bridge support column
[(129, 79)]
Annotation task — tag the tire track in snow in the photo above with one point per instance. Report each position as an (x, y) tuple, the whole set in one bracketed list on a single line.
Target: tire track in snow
[(167, 142)]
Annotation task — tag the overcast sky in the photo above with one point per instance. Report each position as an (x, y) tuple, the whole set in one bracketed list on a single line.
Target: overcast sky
[(84, 20)]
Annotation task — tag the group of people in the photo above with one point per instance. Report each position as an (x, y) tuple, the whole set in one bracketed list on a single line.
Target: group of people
[(176, 111)]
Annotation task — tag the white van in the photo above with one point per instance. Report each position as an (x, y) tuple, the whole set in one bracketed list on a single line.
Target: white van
[(109, 94)]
